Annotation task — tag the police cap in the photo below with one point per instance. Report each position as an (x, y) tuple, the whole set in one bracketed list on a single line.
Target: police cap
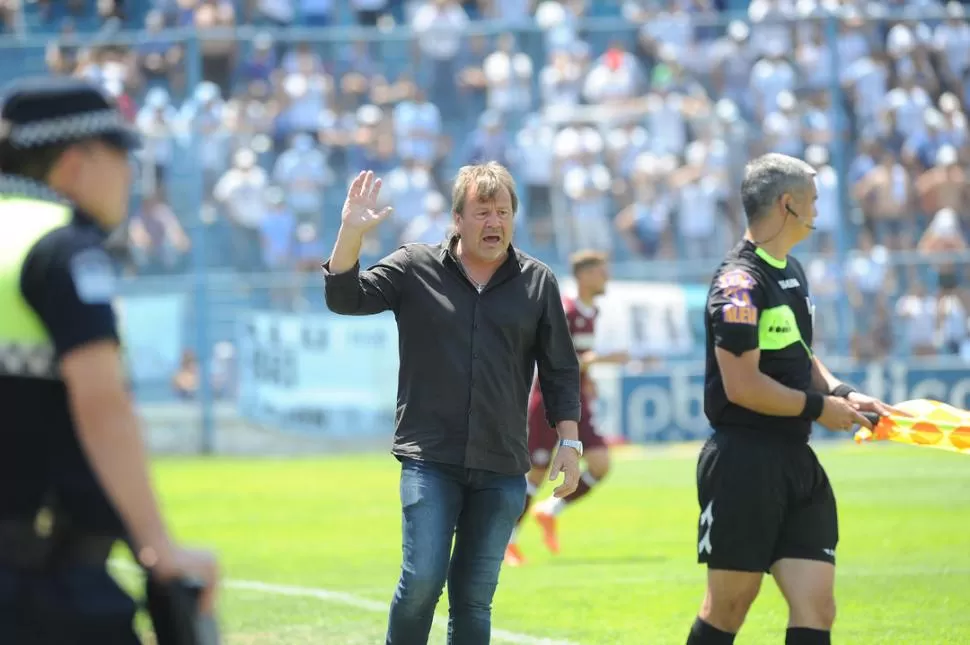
[(52, 110)]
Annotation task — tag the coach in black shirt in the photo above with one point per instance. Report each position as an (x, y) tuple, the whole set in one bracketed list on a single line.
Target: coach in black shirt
[(475, 318)]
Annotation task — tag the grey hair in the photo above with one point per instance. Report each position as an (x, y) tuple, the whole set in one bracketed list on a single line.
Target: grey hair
[(769, 177)]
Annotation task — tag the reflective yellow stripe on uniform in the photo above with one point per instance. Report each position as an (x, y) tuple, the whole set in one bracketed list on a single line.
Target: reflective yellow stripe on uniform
[(25, 349)]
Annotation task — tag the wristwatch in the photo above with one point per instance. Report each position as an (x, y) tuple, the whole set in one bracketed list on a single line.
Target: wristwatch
[(572, 443)]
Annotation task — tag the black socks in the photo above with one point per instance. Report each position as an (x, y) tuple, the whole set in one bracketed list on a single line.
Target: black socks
[(704, 634), (807, 636)]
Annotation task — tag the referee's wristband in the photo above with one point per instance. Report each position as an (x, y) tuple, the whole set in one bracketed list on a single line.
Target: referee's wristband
[(814, 402), (843, 391)]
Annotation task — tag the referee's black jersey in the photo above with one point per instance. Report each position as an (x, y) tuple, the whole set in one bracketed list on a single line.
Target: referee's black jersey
[(68, 281), (759, 302)]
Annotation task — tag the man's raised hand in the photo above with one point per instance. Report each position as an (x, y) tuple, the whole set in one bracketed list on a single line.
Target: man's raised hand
[(360, 211)]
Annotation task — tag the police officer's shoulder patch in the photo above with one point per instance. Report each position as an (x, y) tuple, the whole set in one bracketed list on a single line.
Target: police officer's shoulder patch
[(94, 276)]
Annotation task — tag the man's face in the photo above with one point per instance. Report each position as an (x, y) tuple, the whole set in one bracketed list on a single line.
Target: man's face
[(102, 182), (803, 202), (593, 279), (486, 225)]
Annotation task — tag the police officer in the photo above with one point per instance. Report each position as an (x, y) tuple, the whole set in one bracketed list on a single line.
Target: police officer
[(73, 472), (766, 503)]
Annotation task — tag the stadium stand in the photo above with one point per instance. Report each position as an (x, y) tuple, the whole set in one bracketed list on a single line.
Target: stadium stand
[(627, 124)]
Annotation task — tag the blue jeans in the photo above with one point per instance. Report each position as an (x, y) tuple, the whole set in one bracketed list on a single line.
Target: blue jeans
[(479, 510)]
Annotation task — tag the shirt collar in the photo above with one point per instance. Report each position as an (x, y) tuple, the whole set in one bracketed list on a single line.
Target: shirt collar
[(30, 188), (584, 309), (17, 185)]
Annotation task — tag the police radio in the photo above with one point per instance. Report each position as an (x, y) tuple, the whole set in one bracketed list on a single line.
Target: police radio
[(174, 609)]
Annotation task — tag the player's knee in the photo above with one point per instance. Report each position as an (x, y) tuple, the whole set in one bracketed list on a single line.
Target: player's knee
[(726, 607), (816, 610)]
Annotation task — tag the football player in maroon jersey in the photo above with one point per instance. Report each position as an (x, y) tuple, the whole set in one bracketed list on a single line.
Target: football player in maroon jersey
[(590, 270)]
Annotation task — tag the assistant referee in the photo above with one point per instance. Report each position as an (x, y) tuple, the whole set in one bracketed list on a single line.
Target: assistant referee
[(766, 502), (73, 472)]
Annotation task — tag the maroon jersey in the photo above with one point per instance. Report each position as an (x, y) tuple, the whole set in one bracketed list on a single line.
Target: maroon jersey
[(582, 323), (582, 327)]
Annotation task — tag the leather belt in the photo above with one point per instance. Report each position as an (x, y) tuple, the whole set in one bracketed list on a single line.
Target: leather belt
[(21, 547)]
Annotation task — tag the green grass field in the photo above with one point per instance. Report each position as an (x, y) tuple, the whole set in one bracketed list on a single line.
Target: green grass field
[(311, 550)]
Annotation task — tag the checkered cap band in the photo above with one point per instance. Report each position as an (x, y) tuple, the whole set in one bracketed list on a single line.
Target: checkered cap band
[(30, 361), (65, 128)]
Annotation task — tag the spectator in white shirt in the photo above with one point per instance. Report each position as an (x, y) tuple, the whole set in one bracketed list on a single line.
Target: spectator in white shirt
[(418, 129), (699, 209), (665, 118), (432, 226), (533, 160), (561, 80), (201, 118), (868, 279), (951, 315), (771, 22), (771, 76), (731, 59), (866, 81), (587, 189), (277, 232), (616, 77), (783, 127), (645, 223), (917, 311), (157, 122), (279, 12), (828, 206), (440, 28), (405, 189), (509, 76), (303, 173), (952, 42), (824, 273), (908, 101), (240, 192)]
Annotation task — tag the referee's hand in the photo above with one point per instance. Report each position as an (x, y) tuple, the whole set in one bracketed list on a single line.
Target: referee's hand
[(566, 461), (840, 414), (196, 564)]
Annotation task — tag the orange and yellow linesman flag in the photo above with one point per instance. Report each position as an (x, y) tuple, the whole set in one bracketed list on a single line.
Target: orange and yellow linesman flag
[(933, 424)]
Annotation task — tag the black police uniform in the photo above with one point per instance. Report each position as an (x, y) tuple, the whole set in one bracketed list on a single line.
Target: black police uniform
[(57, 526), (762, 492)]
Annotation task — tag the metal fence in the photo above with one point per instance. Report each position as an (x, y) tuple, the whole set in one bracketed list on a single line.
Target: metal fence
[(271, 353)]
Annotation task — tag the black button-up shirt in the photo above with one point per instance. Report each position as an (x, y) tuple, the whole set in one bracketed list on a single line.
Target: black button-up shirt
[(467, 358)]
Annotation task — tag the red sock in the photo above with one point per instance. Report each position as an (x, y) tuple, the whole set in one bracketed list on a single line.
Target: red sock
[(586, 483)]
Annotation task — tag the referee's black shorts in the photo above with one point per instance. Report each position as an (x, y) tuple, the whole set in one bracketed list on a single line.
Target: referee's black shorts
[(762, 500)]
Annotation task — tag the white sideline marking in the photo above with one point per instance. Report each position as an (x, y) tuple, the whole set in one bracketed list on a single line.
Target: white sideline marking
[(349, 600)]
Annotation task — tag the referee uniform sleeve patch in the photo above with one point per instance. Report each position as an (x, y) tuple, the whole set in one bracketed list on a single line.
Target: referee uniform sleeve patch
[(734, 306), (93, 276)]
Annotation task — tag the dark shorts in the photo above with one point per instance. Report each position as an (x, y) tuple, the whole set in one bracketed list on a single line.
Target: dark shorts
[(77, 606), (762, 500), (543, 439)]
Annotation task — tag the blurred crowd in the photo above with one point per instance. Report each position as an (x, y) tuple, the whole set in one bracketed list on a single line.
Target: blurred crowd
[(627, 124)]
